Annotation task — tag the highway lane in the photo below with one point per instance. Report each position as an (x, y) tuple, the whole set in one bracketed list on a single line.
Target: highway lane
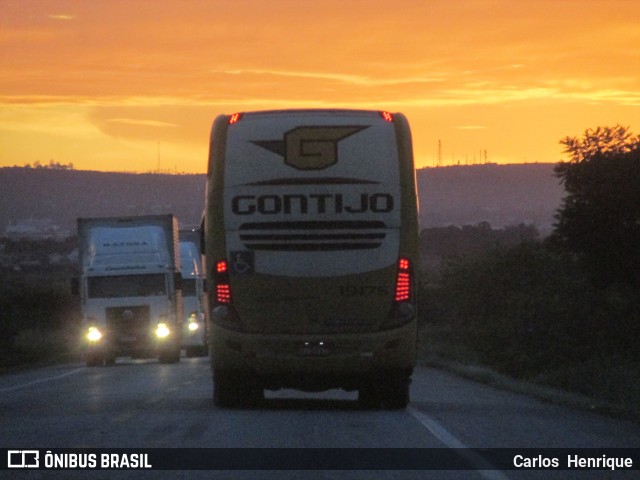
[(144, 404)]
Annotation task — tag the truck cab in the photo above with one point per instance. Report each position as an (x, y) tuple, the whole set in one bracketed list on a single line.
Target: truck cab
[(130, 288)]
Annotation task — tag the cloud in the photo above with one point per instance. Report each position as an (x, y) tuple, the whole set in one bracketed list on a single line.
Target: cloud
[(145, 123), (469, 127), (340, 77), (62, 16)]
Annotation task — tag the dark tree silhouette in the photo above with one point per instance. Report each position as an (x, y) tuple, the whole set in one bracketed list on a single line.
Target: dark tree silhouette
[(599, 219)]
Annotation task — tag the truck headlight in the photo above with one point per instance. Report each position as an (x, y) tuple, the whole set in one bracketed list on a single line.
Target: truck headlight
[(93, 334), (193, 326), (162, 330)]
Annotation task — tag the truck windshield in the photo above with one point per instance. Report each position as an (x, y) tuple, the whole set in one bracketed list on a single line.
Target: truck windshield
[(127, 286)]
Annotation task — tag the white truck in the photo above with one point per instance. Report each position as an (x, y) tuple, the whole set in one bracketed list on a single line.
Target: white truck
[(195, 325), (130, 287)]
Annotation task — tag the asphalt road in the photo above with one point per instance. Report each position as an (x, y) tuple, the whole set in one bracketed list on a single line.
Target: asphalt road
[(144, 404)]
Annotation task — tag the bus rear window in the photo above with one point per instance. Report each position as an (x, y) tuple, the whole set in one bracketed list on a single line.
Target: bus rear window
[(313, 193)]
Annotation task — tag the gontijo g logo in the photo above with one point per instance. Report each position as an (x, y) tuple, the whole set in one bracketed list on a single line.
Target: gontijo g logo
[(23, 459), (310, 148)]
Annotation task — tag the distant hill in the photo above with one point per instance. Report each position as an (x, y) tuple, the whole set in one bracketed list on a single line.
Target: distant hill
[(461, 195), (64, 195), (499, 194)]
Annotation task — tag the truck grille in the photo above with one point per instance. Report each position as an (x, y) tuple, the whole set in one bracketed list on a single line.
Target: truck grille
[(129, 325)]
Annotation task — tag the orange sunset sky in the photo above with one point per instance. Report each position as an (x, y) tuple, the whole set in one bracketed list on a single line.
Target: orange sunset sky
[(134, 85)]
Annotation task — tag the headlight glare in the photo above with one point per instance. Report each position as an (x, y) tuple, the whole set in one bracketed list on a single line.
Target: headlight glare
[(93, 334), (162, 330)]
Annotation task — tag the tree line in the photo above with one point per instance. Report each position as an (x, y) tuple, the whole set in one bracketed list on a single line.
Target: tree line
[(52, 165), (564, 309)]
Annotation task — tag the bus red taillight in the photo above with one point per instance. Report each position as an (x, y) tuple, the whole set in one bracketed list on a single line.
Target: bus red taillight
[(223, 293), (222, 284), (235, 118), (403, 280)]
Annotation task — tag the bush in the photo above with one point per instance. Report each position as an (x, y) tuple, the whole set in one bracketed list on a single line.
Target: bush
[(38, 321), (529, 309)]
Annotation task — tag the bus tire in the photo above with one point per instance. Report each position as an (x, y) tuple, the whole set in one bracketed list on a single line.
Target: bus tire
[(387, 391), (236, 390)]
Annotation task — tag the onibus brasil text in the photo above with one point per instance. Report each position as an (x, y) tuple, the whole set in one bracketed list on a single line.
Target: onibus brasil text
[(97, 460)]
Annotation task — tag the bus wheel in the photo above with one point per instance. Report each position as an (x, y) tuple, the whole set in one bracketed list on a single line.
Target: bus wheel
[(389, 391), (236, 390)]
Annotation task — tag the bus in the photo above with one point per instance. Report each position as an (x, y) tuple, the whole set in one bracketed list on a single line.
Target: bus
[(310, 234)]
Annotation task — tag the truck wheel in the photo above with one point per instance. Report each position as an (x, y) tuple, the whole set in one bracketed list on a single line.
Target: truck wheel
[(94, 359), (169, 356), (175, 358), (110, 360)]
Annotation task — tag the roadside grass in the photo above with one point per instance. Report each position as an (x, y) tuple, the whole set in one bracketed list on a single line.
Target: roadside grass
[(610, 386), (611, 382), (39, 319), (34, 347), (511, 309)]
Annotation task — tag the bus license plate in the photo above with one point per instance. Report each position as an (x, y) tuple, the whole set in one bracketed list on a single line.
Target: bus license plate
[(314, 350)]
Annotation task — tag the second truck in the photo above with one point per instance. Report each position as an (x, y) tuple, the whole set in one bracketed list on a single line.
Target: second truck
[(195, 326)]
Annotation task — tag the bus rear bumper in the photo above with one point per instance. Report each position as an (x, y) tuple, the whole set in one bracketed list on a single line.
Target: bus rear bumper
[(314, 362)]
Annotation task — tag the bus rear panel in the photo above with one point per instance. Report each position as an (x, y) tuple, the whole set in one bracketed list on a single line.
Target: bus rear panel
[(311, 245)]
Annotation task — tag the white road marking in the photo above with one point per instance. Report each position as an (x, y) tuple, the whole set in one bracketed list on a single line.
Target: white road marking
[(484, 468), (42, 380)]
